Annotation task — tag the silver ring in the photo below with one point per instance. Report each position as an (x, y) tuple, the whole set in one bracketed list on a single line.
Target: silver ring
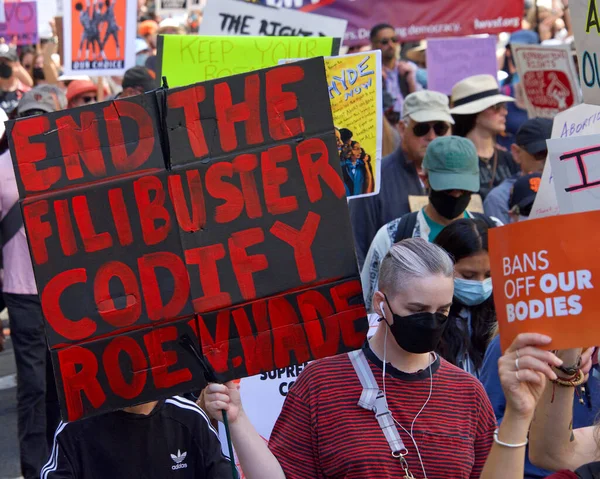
[(517, 363), (517, 351), (517, 374)]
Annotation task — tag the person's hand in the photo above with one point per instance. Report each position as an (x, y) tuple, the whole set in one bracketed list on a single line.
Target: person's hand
[(223, 397), (523, 371), (406, 68)]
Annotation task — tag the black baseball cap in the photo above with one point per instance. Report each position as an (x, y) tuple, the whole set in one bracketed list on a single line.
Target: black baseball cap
[(138, 77), (523, 193), (533, 134)]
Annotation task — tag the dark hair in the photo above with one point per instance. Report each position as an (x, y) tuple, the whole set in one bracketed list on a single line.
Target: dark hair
[(377, 28), (345, 134), (461, 239), (26, 50), (78, 6), (463, 124)]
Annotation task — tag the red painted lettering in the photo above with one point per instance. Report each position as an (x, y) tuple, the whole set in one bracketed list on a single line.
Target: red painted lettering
[(247, 112), (312, 171), (288, 334), (274, 177), (50, 300), (245, 166), (189, 99), (37, 230), (64, 226), (92, 241), (216, 349), (112, 367), (217, 188), (243, 264), (81, 142), (161, 360), (279, 101), (349, 315), (78, 369), (120, 215), (257, 347), (197, 220), (206, 258), (153, 210), (313, 305), (130, 313), (155, 308)]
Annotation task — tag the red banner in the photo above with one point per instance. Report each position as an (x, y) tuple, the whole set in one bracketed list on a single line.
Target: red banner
[(416, 19)]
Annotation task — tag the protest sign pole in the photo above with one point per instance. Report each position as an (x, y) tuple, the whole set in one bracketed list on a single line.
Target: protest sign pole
[(100, 92)]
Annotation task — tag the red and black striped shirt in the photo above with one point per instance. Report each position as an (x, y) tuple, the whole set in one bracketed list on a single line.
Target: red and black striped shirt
[(322, 433)]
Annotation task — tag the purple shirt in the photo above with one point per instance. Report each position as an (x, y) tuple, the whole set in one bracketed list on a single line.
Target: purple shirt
[(18, 271)]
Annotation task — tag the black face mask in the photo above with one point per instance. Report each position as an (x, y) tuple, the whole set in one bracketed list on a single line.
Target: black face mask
[(418, 333), (449, 206), (38, 74), (6, 70)]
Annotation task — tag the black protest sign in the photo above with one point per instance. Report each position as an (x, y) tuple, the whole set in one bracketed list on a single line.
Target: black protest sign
[(217, 214)]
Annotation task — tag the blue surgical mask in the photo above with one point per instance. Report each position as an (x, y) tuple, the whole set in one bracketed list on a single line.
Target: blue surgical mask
[(140, 59), (472, 293)]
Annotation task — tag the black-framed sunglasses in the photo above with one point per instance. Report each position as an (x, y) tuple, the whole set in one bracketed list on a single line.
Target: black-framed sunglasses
[(385, 41), (439, 127), (88, 99)]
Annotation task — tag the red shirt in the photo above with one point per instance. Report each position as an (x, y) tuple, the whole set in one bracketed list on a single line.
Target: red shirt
[(322, 433)]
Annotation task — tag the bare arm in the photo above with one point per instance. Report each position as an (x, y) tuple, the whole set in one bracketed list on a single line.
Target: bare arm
[(50, 70), (523, 370), (554, 444), (255, 458)]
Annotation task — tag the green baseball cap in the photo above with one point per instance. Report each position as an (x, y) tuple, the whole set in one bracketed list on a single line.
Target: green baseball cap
[(452, 163)]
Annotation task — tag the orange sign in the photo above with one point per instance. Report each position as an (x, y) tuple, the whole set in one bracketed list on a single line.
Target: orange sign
[(546, 275)]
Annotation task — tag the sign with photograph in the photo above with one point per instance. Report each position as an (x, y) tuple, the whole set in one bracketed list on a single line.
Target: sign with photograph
[(99, 39)]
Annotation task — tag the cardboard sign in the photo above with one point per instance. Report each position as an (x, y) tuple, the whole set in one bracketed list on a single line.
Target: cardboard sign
[(548, 77), (20, 23), (99, 39), (414, 19), (578, 121), (230, 17), (451, 60), (201, 215), (185, 59), (586, 29), (545, 279), (576, 166), (172, 7)]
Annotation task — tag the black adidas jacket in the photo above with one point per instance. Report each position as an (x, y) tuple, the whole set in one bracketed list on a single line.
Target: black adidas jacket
[(176, 440)]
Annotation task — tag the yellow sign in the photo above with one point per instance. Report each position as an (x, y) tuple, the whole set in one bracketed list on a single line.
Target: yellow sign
[(355, 94), (187, 59)]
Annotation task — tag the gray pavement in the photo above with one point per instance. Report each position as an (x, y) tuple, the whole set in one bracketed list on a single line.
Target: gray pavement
[(9, 448)]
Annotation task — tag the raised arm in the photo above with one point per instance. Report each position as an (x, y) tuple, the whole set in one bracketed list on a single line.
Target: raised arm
[(256, 460), (523, 371), (554, 443)]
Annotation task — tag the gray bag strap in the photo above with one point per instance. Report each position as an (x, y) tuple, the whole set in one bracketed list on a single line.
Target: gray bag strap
[(373, 399), (11, 223)]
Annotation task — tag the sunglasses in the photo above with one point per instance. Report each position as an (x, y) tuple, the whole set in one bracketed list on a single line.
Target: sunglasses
[(500, 106), (439, 127), (385, 41), (88, 99)]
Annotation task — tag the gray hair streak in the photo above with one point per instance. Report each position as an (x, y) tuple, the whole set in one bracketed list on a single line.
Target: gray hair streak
[(412, 258)]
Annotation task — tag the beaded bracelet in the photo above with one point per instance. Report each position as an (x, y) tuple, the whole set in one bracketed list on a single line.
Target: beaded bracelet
[(505, 444), (576, 380)]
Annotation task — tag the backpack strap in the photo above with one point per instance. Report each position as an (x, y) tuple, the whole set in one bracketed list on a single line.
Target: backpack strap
[(406, 226), (484, 218), (11, 223), (373, 399)]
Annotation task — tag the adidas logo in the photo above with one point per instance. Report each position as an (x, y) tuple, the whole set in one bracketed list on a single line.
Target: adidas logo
[(178, 460)]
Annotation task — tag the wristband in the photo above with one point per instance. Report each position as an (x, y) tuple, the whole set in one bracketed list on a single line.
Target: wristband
[(505, 444)]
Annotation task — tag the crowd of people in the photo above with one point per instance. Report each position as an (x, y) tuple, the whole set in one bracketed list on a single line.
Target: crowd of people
[(430, 394)]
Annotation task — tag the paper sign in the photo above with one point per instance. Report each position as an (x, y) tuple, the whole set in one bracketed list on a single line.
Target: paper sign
[(577, 121), (45, 14), (230, 17), (170, 7), (99, 40), (185, 59), (20, 23), (586, 29), (355, 95), (414, 19), (454, 59), (198, 217), (545, 275), (548, 77), (576, 168), (2, 13)]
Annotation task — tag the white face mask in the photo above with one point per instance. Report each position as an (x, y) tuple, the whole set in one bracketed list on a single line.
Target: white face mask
[(472, 293)]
